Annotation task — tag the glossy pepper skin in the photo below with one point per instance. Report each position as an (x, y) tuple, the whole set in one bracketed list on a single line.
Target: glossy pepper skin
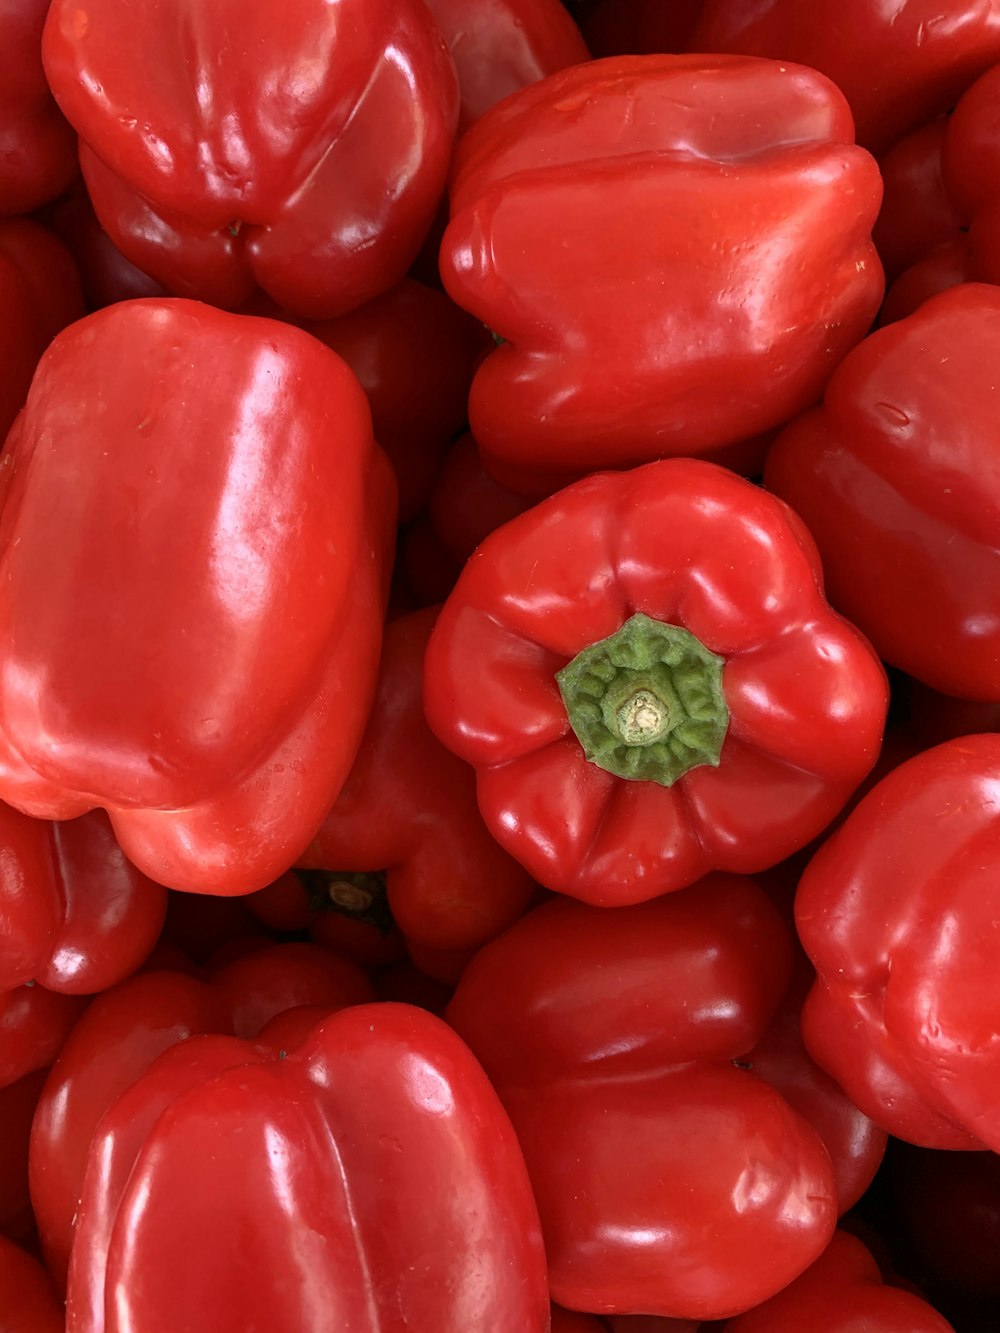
[(128, 1026), (300, 148), (898, 64), (617, 345), (210, 652), (897, 473), (75, 915), (738, 720), (29, 1303), (897, 911), (408, 810), (842, 1292), (37, 146), (670, 1179), (311, 1166)]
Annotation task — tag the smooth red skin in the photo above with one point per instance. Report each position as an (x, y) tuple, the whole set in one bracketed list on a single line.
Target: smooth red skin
[(287, 905), (37, 146), (106, 274), (897, 472), (691, 544), (970, 161), (946, 265), (17, 1107), (731, 1195), (612, 1037), (899, 65), (897, 912), (209, 693), (917, 213), (39, 295), (691, 976), (638, 27), (948, 1207), (75, 915), (34, 1024), (199, 924), (409, 809), (29, 1303), (127, 1027), (414, 352), (500, 46), (571, 1321), (642, 987), (754, 167), (841, 1293), (314, 1161), (291, 148)]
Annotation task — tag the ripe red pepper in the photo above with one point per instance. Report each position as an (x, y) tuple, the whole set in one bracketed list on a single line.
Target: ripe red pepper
[(670, 1178), (37, 146), (842, 1292), (683, 307), (299, 147), (34, 1024), (898, 911), (128, 1026), (646, 676), (373, 1168), (75, 915), (210, 650), (970, 158), (899, 64), (17, 1108), (917, 213), (408, 811), (893, 475)]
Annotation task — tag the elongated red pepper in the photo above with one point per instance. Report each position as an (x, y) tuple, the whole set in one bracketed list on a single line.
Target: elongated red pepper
[(647, 678), (209, 654), (372, 1168)]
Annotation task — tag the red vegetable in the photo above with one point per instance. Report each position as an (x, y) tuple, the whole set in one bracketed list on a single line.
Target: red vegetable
[(897, 479), (301, 148), (210, 648), (898, 911), (29, 1303), (373, 1167), (679, 308), (646, 676), (670, 1179)]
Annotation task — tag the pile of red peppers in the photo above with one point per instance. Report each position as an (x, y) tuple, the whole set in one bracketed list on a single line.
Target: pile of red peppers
[(500, 666)]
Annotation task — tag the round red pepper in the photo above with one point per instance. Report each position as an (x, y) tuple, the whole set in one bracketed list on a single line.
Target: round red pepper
[(650, 684)]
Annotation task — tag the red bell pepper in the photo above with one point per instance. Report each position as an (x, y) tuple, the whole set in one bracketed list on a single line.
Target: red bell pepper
[(646, 676), (29, 1304), (17, 1108), (128, 1026), (898, 912), (671, 1177), (369, 1180), (39, 295), (712, 262), (899, 64), (499, 46), (210, 650), (299, 147), (894, 479), (106, 274), (75, 915), (842, 1292), (970, 158), (408, 811), (37, 146)]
